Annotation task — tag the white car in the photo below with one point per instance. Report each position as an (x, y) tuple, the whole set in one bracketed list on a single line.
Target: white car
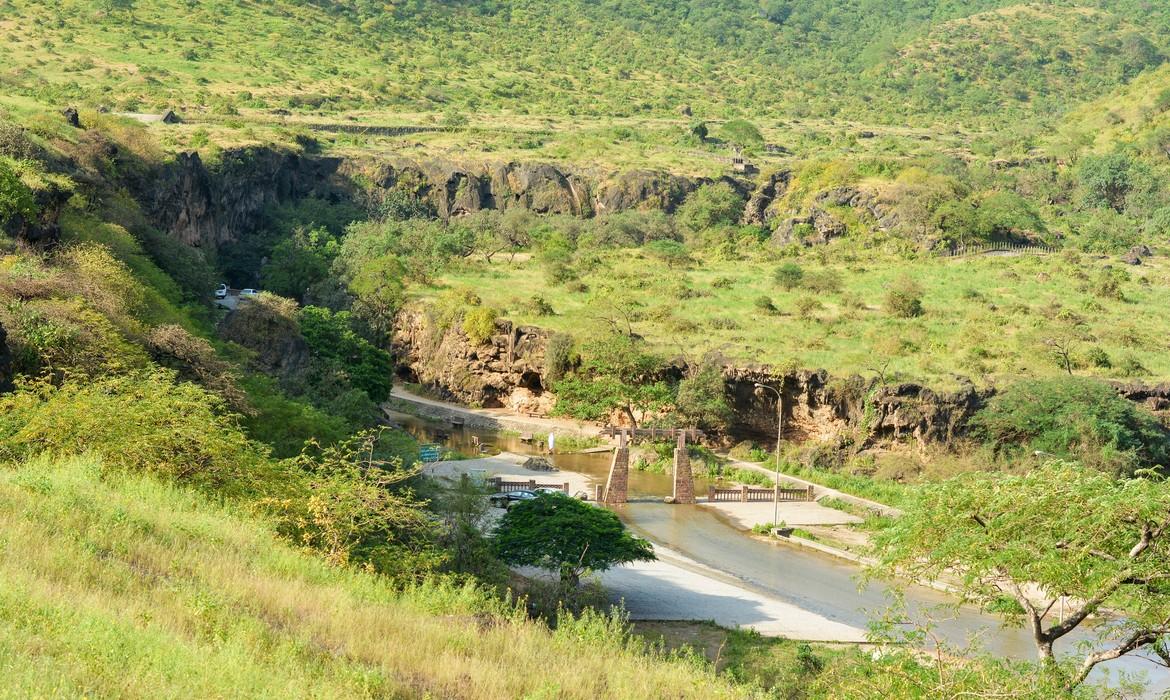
[(249, 292), (221, 291)]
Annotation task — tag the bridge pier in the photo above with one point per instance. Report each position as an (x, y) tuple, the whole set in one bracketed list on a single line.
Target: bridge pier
[(618, 484), (684, 481)]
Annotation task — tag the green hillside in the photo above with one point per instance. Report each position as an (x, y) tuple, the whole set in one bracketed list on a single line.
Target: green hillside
[(891, 61), (130, 588)]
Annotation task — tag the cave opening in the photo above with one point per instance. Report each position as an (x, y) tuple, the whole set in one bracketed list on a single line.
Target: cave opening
[(532, 382)]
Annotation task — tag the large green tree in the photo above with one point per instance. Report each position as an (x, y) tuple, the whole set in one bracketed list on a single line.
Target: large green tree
[(560, 533), (616, 374), (1049, 548)]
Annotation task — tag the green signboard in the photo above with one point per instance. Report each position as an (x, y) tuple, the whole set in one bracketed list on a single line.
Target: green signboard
[(428, 453)]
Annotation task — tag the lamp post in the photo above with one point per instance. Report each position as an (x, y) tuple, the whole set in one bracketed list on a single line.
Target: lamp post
[(779, 434)]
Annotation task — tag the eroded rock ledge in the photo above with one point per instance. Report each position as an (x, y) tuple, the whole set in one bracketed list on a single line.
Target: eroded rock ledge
[(509, 370)]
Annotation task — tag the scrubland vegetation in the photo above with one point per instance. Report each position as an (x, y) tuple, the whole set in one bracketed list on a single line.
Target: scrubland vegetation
[(196, 503)]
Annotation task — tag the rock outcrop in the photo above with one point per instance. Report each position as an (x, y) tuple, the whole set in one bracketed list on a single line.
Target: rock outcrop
[(817, 228), (208, 206), (758, 209), (818, 408), (456, 189), (5, 362), (268, 327), (508, 370), (43, 229)]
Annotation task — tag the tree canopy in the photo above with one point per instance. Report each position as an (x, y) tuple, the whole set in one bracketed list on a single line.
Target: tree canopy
[(560, 533), (1059, 535)]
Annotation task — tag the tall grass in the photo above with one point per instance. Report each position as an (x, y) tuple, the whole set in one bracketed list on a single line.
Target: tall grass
[(127, 587)]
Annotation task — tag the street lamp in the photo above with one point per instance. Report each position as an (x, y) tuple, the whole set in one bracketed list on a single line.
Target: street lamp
[(779, 434)]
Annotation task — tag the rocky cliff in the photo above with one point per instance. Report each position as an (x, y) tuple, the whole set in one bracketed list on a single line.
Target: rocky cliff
[(207, 206), (508, 370), (455, 189), (819, 408)]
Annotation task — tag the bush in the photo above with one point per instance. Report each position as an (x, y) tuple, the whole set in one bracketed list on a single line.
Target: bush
[(558, 357), (333, 341), (479, 324), (807, 307), (742, 133), (138, 423), (15, 197), (1077, 418), (764, 303), (904, 298), (711, 206), (788, 276), (823, 281)]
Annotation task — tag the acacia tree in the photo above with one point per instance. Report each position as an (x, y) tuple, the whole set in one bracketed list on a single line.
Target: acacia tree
[(1060, 538), (560, 533), (617, 374)]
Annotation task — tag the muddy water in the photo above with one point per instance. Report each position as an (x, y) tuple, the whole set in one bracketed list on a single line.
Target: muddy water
[(813, 581)]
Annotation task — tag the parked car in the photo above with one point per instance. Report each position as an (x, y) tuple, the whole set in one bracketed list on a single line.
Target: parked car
[(249, 292), (221, 291), (505, 500)]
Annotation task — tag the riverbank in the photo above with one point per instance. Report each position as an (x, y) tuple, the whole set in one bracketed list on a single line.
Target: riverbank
[(497, 419), (675, 587)]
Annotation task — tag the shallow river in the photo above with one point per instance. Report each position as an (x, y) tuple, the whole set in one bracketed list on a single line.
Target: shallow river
[(813, 581)]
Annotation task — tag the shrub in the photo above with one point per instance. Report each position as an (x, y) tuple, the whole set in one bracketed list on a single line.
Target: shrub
[(15, 197), (558, 357), (139, 423), (1108, 284), (479, 324), (1096, 357), (741, 133), (823, 281), (1076, 418), (764, 304), (711, 206), (904, 298), (672, 253), (788, 276), (807, 307)]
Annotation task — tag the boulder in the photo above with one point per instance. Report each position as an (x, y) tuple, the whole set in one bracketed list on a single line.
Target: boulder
[(71, 117), (1136, 254), (539, 464)]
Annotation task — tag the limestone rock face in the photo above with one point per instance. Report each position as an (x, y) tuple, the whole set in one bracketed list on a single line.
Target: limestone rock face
[(5, 362), (203, 206), (759, 206), (819, 409), (506, 371), (824, 228)]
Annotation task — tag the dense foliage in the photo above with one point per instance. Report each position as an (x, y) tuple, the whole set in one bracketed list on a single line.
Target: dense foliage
[(1077, 418), (560, 533)]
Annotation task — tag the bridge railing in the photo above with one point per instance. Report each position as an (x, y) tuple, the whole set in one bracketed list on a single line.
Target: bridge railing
[(502, 486), (693, 434), (755, 494)]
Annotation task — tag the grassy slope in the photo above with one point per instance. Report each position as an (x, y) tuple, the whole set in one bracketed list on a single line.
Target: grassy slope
[(985, 317), (881, 60), (131, 588)]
